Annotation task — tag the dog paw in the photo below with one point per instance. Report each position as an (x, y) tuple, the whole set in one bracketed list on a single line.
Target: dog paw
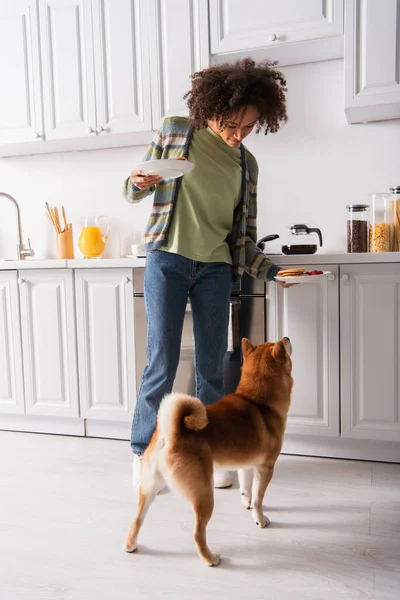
[(263, 522), (215, 560), (246, 500), (130, 546)]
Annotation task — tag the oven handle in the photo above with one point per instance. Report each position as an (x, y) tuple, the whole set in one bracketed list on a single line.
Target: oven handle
[(233, 326)]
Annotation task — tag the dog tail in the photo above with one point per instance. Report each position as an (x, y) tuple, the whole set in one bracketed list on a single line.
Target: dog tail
[(180, 410)]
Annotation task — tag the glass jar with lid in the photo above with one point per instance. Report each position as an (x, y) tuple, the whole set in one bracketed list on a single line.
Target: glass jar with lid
[(357, 228), (395, 210), (381, 223)]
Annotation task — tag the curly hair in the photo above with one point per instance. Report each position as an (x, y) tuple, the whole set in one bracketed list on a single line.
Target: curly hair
[(218, 91)]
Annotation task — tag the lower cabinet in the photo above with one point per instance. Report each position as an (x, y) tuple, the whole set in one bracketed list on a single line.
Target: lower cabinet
[(370, 351), (345, 331), (11, 376), (345, 386), (49, 342), (106, 349), (309, 315)]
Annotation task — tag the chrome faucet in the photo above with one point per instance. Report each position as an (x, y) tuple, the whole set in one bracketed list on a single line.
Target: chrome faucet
[(22, 252)]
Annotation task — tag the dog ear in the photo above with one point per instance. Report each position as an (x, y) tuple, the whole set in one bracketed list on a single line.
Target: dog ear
[(279, 351), (247, 346)]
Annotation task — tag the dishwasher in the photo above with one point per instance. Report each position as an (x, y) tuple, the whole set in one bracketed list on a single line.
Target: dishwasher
[(247, 319)]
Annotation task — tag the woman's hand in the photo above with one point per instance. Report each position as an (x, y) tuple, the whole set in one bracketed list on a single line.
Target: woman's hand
[(284, 284), (142, 181)]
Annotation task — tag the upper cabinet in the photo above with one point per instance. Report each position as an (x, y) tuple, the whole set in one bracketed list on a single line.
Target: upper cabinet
[(20, 99), (288, 31), (68, 74), (372, 55), (179, 46), (95, 57), (86, 74)]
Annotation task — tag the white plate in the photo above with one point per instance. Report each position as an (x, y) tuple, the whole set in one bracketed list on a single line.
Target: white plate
[(303, 278), (167, 168)]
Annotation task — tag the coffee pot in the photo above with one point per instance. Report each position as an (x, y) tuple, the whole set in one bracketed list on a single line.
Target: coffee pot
[(301, 229)]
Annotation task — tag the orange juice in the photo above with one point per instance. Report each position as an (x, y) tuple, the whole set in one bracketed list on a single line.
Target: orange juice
[(91, 242)]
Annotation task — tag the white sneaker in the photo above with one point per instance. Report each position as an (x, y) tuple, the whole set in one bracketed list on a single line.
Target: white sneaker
[(222, 479), (136, 469), (136, 474)]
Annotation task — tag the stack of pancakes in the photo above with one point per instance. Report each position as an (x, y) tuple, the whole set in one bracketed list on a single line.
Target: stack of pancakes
[(292, 272)]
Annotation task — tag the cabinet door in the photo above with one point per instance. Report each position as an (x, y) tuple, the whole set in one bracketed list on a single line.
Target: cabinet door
[(370, 351), (68, 73), (121, 53), (371, 60), (20, 98), (269, 24), (11, 376), (106, 352), (308, 315), (49, 342), (179, 46)]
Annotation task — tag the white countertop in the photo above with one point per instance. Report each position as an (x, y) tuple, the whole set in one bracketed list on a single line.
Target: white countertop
[(330, 259), (32, 263), (105, 263), (279, 259), (77, 263)]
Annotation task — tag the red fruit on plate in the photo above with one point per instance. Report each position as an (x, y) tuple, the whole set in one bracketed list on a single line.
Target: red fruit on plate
[(316, 272)]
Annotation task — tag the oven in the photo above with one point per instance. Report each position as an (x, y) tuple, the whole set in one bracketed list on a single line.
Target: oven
[(247, 319)]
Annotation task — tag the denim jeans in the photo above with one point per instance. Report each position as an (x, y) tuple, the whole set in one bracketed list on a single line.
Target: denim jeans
[(170, 279)]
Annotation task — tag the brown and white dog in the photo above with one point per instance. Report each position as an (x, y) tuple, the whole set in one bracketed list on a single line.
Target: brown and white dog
[(241, 431)]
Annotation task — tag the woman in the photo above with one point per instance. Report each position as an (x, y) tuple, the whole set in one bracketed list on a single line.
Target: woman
[(201, 233)]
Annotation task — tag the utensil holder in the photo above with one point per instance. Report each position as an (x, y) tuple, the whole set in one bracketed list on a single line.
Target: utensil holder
[(65, 243)]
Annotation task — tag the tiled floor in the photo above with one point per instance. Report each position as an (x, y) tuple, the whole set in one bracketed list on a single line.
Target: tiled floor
[(66, 505)]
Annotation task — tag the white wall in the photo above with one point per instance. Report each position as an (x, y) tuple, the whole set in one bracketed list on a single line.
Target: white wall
[(309, 171)]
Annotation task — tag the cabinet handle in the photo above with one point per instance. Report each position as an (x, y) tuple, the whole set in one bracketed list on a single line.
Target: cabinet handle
[(344, 277), (272, 37), (331, 277), (37, 136), (100, 129), (125, 280), (21, 280)]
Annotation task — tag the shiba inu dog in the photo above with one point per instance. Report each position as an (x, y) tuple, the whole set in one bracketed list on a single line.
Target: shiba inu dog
[(243, 431)]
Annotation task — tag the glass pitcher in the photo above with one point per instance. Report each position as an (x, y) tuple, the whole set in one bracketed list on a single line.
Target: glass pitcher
[(92, 239)]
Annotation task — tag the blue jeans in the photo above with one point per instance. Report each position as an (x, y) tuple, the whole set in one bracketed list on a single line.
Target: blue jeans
[(170, 279)]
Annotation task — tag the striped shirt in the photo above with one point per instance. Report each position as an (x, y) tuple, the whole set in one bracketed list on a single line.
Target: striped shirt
[(172, 141)]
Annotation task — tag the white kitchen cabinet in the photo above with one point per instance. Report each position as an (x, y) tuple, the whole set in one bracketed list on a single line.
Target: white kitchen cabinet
[(95, 69), (49, 342), (370, 351), (288, 31), (309, 315), (67, 65), (179, 46), (371, 60), (106, 353), (11, 377), (121, 59), (20, 98)]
